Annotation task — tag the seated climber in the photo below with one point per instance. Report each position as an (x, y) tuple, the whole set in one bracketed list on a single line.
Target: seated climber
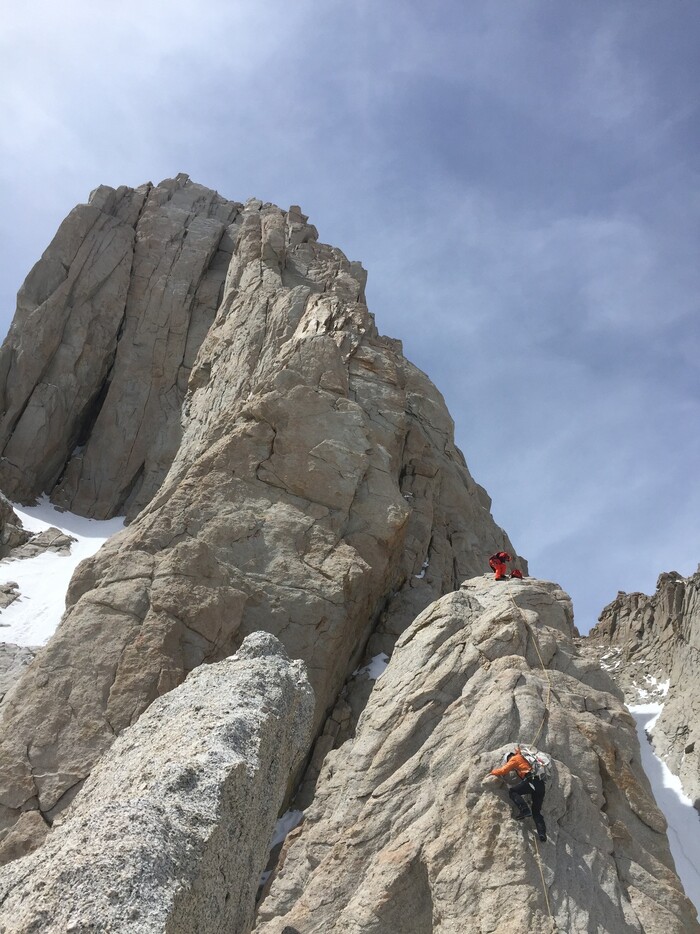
[(529, 784), (516, 574), (498, 562)]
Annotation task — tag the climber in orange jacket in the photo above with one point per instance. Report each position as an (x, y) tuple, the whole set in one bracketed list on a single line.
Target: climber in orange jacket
[(497, 563), (529, 784)]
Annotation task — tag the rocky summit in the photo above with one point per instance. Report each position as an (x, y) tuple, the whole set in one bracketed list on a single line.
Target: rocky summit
[(297, 516)]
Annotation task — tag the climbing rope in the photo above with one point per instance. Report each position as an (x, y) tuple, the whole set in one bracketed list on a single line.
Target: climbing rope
[(555, 927), (535, 738), (533, 637)]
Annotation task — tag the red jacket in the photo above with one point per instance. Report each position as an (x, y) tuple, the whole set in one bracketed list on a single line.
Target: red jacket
[(501, 557), (518, 762)]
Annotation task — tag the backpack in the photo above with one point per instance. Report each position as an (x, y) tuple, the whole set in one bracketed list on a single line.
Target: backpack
[(541, 763)]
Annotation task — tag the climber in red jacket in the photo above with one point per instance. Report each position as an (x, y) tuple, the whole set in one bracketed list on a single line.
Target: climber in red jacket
[(497, 563)]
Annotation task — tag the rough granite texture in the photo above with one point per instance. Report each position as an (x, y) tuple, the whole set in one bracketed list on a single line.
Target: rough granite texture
[(51, 539), (405, 836), (94, 369), (313, 487), (13, 660), (171, 831), (645, 641), (12, 534)]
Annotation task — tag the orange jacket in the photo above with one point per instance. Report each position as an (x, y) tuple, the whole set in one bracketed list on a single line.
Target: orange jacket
[(517, 762)]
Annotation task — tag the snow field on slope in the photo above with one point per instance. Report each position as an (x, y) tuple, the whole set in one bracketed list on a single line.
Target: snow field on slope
[(677, 808), (43, 581)]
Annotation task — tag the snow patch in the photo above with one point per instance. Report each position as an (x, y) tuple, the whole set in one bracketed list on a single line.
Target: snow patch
[(425, 565), (376, 667), (677, 808), (43, 580), (655, 688), (287, 822)]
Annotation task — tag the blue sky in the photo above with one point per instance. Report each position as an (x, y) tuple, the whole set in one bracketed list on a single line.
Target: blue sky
[(519, 178)]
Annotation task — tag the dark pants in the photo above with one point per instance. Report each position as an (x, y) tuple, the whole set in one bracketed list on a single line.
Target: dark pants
[(534, 787)]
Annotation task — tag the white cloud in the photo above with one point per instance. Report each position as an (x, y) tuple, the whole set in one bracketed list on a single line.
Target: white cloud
[(519, 179)]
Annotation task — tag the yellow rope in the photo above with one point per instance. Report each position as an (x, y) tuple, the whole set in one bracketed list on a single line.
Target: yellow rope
[(544, 887)]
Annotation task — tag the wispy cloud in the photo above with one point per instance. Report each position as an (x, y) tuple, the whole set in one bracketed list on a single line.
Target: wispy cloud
[(519, 178)]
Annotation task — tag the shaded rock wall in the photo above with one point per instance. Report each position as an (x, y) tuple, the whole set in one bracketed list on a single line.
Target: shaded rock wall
[(172, 829), (404, 837), (314, 489), (658, 637), (12, 534), (94, 370)]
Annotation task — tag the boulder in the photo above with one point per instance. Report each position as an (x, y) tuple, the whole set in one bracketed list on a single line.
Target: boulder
[(9, 592), (12, 534), (51, 539), (172, 830)]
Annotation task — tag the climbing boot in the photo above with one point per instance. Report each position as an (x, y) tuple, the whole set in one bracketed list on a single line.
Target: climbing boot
[(521, 815), (541, 829)]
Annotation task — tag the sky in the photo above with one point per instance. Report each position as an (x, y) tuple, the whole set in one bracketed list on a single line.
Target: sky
[(519, 178)]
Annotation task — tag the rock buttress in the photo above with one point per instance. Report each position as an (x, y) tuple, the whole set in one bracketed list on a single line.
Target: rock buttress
[(405, 838), (171, 832)]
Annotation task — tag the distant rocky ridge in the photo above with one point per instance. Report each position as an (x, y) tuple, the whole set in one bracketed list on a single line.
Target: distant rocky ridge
[(649, 641), (212, 369), (405, 836)]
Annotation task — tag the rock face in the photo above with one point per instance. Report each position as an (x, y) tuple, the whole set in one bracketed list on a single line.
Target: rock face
[(171, 830), (94, 370), (12, 534), (307, 479), (404, 837), (13, 660), (646, 641), (9, 592)]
